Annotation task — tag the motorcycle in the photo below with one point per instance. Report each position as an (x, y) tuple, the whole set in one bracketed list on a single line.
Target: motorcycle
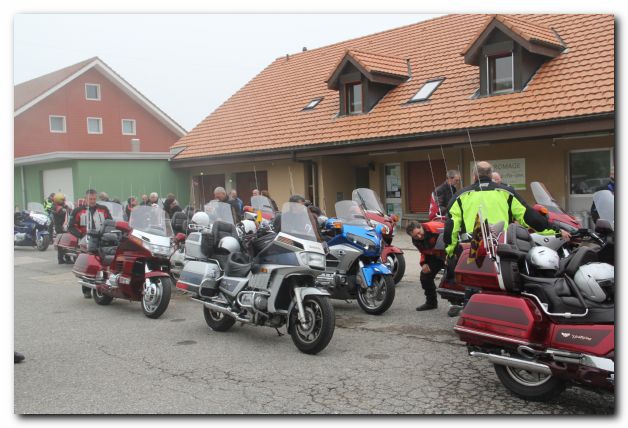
[(392, 256), (354, 269), (129, 261), (544, 323), (31, 227), (275, 287), (261, 209), (69, 246)]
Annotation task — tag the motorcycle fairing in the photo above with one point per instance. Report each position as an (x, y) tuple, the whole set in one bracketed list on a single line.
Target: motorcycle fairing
[(596, 339), (369, 271)]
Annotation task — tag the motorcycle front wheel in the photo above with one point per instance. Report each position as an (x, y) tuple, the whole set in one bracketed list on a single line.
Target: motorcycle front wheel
[(43, 242), (529, 385), (376, 300), (156, 297), (314, 335)]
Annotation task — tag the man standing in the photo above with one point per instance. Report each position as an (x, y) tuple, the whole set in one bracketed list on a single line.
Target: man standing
[(496, 177), (144, 200), (424, 237), (446, 191), (84, 218), (153, 199), (233, 195), (220, 194), (103, 197)]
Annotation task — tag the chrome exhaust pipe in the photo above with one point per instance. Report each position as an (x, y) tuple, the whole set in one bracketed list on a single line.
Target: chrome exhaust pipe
[(222, 310), (87, 284), (514, 362)]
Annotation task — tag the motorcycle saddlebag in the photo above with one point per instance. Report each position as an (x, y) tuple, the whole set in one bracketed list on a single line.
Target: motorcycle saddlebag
[(66, 240), (200, 278), (193, 246), (497, 319)]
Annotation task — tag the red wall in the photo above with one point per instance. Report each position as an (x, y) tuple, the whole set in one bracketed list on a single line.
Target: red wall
[(32, 131)]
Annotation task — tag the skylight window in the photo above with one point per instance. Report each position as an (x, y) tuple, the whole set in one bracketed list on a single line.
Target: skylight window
[(426, 90), (312, 104)]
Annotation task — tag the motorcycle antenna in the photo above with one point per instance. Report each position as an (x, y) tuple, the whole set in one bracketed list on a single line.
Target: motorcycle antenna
[(291, 182), (256, 183), (472, 153), (446, 169), (429, 159)]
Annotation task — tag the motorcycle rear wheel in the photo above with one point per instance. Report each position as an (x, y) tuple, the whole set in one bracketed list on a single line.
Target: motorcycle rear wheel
[(154, 306), (217, 321), (318, 330), (101, 299), (367, 297), (529, 386), (397, 264)]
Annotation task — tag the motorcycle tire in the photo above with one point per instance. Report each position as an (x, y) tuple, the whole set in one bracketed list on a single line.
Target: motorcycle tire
[(154, 309), (543, 389), (398, 266), (101, 299), (382, 306), (315, 337), (218, 321), (43, 244)]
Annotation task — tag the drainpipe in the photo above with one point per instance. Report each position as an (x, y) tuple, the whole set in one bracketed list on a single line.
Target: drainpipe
[(23, 187)]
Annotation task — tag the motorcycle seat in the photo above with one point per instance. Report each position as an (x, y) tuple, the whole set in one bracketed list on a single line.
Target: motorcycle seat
[(107, 254), (519, 237)]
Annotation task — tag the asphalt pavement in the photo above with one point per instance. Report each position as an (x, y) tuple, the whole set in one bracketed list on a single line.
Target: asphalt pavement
[(82, 358)]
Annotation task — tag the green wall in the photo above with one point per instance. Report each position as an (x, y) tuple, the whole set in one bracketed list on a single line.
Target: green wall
[(122, 178), (119, 178)]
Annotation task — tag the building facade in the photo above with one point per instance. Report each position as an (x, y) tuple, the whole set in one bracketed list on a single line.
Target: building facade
[(85, 127), (533, 94)]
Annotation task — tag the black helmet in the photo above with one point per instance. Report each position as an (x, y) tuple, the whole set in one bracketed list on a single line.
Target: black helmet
[(296, 198)]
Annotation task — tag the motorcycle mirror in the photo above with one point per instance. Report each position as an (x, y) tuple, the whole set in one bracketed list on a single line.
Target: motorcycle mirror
[(541, 209), (123, 226), (180, 237)]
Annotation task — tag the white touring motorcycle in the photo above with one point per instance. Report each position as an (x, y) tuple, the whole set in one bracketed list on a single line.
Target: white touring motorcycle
[(270, 283)]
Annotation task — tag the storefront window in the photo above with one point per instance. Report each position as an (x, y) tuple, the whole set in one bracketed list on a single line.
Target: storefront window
[(588, 171)]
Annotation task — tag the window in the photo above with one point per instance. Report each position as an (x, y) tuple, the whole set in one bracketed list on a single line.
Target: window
[(92, 91), (128, 126), (57, 123), (94, 125), (500, 73), (426, 90), (589, 170), (354, 98), (313, 103)]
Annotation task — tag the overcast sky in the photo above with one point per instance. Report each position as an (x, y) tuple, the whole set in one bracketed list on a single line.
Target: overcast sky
[(186, 64)]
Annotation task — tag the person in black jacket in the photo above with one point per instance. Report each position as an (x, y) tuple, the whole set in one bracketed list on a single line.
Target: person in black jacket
[(220, 194), (446, 191)]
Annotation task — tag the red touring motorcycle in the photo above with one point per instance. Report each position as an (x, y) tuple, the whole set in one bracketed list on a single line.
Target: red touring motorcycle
[(130, 261), (374, 209), (543, 322), (68, 246)]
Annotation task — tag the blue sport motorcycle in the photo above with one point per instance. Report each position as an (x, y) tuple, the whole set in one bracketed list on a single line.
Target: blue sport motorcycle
[(354, 269), (31, 227)]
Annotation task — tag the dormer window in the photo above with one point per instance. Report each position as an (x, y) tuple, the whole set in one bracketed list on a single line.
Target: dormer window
[(508, 52), (501, 73), (362, 79), (354, 97)]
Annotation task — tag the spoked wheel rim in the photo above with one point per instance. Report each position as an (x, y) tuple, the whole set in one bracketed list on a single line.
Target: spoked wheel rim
[(392, 262), (526, 377), (41, 242), (153, 291), (311, 330), (374, 296), (216, 316)]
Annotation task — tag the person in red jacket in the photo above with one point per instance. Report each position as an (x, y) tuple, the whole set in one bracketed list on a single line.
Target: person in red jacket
[(90, 216), (424, 237)]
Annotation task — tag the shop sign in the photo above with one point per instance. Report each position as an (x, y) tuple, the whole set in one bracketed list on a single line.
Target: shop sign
[(512, 171)]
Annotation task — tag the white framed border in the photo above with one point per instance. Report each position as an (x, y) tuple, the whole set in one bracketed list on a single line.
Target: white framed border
[(99, 94), (65, 126), (101, 127), (134, 126)]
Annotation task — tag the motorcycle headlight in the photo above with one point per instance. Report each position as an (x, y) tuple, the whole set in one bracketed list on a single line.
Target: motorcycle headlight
[(313, 260), (364, 243), (159, 250)]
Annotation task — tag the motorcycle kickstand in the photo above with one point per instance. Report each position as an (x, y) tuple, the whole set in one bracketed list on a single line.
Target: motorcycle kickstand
[(279, 333)]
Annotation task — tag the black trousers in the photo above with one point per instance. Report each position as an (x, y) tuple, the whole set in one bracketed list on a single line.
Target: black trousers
[(427, 279)]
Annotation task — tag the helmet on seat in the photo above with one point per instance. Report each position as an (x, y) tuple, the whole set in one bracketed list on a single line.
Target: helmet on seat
[(229, 245), (543, 261), (596, 281), (201, 219)]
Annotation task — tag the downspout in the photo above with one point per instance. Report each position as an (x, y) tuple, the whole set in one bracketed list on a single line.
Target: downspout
[(23, 187)]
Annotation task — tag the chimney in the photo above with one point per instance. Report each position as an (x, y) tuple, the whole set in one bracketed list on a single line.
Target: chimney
[(304, 49), (135, 145), (409, 69)]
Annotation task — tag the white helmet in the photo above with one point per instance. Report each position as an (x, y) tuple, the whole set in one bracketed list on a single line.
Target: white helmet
[(249, 226), (543, 258), (589, 277), (201, 218), (229, 244)]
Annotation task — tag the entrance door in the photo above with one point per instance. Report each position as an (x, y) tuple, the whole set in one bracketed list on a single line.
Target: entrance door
[(204, 186), (58, 180), (362, 177), (420, 183), (245, 183)]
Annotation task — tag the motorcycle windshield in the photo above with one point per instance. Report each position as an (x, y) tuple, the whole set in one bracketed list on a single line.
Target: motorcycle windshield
[(368, 199), (217, 210), (604, 201), (296, 221), (543, 197), (116, 210), (262, 203), (35, 207), (151, 220), (349, 212)]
